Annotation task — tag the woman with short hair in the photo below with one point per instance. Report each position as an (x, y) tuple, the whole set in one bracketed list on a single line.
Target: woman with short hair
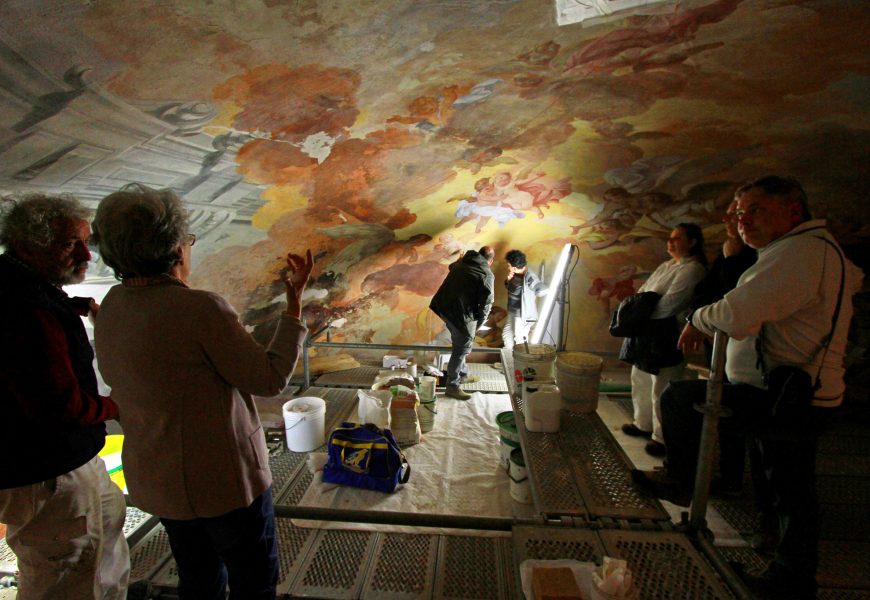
[(184, 371)]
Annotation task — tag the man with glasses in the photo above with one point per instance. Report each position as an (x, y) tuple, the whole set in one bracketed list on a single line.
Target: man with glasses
[(797, 294), (64, 515)]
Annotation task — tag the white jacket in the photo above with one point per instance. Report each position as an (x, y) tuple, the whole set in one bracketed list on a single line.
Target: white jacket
[(792, 290), (533, 287)]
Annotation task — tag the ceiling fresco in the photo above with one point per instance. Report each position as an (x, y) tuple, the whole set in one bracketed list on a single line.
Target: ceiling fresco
[(388, 136)]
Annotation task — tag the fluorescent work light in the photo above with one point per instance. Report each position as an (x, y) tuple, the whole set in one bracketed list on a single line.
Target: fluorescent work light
[(550, 299)]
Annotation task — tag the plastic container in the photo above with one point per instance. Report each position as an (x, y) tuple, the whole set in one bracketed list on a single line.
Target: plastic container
[(426, 412), (427, 387), (305, 423), (507, 446), (521, 491), (542, 408), (507, 426), (533, 363), (578, 375)]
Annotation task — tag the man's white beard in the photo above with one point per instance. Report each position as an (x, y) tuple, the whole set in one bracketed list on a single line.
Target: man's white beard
[(71, 277)]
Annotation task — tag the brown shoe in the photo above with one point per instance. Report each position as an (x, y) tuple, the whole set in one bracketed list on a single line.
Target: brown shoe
[(454, 391), (660, 485)]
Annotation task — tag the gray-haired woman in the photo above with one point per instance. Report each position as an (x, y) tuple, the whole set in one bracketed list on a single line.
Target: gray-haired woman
[(183, 371)]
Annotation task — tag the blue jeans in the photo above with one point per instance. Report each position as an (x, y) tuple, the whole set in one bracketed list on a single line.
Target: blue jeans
[(461, 340), (239, 546)]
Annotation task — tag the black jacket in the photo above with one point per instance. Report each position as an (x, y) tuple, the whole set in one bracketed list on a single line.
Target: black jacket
[(654, 347), (633, 313), (53, 416), (650, 344), (466, 294)]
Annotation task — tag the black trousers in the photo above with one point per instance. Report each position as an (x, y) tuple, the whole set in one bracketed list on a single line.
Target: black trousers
[(240, 547), (788, 455)]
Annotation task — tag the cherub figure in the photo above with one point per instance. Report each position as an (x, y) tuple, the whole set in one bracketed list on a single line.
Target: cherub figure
[(485, 203), (531, 193)]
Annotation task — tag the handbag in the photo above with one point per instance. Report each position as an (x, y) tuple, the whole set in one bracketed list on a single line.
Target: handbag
[(791, 388), (365, 456)]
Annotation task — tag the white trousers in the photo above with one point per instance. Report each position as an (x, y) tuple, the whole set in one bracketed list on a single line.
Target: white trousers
[(515, 330), (68, 536), (646, 396)]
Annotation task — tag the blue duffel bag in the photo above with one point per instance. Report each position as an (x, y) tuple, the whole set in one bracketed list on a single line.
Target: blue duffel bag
[(365, 456)]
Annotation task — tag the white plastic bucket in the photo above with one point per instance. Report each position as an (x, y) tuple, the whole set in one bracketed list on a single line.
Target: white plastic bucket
[(521, 491), (426, 412), (578, 375), (507, 446), (534, 363), (427, 387), (305, 423)]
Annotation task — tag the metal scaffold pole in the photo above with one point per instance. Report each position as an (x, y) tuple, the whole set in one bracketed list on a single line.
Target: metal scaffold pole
[(712, 410)]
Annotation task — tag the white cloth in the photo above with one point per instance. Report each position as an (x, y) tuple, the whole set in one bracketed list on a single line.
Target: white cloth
[(792, 290), (68, 536), (675, 280), (646, 396), (456, 470)]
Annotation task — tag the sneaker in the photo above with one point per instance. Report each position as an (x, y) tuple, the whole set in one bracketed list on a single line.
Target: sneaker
[(634, 431), (454, 391), (469, 379), (654, 448), (660, 485)]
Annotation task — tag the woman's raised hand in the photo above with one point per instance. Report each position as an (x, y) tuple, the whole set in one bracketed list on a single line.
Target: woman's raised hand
[(295, 278)]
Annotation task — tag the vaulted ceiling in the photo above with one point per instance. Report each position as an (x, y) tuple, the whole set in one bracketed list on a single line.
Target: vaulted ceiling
[(388, 135)]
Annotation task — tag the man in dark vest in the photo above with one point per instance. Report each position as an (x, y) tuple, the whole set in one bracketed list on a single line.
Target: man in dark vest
[(463, 302), (64, 515)]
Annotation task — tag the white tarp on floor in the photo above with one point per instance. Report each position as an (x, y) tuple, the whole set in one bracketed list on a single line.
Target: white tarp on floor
[(455, 470)]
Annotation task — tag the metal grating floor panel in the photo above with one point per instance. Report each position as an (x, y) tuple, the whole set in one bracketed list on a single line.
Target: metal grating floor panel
[(471, 567), (507, 362), (551, 477), (284, 466), (551, 543), (603, 470), (491, 380), (150, 554), (8, 561), (665, 564), (404, 567), (358, 377), (293, 545), (335, 567)]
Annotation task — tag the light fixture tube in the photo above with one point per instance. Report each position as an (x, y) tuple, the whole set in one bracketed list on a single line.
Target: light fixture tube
[(550, 298)]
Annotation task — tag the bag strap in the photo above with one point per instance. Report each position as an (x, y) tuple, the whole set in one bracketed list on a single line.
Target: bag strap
[(825, 342)]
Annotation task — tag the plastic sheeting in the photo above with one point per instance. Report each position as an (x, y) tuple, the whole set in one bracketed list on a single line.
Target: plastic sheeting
[(455, 470)]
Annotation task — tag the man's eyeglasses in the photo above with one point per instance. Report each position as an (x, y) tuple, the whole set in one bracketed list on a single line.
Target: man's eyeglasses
[(189, 239)]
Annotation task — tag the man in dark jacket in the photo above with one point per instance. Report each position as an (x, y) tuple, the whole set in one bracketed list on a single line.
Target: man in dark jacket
[(463, 302), (64, 515)]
